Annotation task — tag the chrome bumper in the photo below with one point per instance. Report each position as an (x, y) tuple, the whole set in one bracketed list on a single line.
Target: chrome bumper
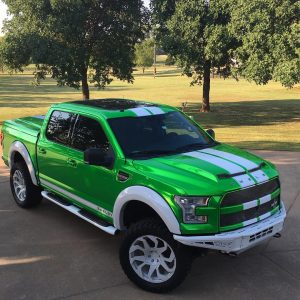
[(241, 239)]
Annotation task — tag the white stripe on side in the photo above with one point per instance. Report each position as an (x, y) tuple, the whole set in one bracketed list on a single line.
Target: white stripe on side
[(243, 180), (155, 110), (76, 198), (259, 175), (140, 112)]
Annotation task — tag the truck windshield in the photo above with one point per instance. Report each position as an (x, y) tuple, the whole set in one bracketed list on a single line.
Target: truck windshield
[(158, 135)]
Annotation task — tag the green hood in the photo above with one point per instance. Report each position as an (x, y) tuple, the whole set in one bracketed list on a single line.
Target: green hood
[(210, 171)]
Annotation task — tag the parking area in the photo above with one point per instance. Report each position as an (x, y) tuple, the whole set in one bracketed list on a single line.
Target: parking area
[(48, 253)]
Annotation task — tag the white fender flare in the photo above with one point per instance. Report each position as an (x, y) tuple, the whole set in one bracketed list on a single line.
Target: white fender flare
[(149, 197), (21, 149)]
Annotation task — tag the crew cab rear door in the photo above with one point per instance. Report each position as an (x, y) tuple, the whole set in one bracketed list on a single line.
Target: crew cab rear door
[(55, 169)]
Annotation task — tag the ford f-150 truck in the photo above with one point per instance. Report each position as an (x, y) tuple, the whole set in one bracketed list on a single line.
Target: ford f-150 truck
[(148, 170)]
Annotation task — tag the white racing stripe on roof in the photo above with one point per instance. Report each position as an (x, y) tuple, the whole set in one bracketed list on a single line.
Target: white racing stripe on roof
[(243, 180), (140, 111), (259, 175), (155, 110)]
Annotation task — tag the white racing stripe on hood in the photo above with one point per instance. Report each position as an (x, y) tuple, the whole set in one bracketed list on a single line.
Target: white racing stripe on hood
[(140, 112), (243, 180), (259, 175), (155, 110)]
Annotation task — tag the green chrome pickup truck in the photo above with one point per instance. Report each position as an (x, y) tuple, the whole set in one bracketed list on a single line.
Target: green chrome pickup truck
[(148, 170)]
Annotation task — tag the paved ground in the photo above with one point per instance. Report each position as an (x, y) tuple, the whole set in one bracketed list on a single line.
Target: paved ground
[(47, 253)]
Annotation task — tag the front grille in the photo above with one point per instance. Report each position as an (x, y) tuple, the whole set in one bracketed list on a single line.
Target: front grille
[(248, 214), (251, 193), (240, 218)]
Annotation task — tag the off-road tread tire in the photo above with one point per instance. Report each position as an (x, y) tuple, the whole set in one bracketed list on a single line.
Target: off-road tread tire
[(182, 253), (33, 192)]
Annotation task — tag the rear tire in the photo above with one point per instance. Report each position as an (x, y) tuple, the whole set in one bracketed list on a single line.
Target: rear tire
[(25, 193), (152, 259)]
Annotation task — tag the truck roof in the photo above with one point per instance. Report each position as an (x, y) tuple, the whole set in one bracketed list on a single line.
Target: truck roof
[(115, 107)]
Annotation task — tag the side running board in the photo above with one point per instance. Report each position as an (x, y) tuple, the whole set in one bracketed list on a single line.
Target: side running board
[(81, 213)]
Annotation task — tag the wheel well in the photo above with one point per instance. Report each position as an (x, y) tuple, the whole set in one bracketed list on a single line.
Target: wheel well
[(136, 211), (16, 157)]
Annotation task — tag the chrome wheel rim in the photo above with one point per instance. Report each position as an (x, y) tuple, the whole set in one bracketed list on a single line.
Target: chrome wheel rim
[(152, 259), (19, 185)]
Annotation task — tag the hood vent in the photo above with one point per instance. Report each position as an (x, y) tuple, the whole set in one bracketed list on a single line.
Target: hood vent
[(225, 176)]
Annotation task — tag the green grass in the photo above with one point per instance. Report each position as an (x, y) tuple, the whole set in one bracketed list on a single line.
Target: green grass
[(243, 114)]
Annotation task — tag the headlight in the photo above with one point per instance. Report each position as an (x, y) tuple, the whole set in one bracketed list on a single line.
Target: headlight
[(188, 206)]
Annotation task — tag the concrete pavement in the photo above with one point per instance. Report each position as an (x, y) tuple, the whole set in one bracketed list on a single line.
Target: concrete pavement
[(47, 253)]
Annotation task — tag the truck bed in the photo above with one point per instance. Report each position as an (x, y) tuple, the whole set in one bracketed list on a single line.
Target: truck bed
[(25, 130), (28, 125)]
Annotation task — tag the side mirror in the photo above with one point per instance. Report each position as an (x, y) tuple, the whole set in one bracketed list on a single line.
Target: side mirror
[(98, 157), (211, 133)]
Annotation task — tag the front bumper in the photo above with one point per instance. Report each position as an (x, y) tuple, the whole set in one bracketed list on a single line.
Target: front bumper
[(240, 239)]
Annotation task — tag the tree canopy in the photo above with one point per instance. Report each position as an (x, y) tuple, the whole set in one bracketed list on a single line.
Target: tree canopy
[(144, 54), (196, 33), (257, 39), (75, 42), (268, 33)]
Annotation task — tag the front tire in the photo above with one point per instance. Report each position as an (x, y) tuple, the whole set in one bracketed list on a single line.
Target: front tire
[(152, 259), (25, 193)]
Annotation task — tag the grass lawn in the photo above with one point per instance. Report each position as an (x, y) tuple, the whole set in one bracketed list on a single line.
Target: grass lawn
[(243, 114)]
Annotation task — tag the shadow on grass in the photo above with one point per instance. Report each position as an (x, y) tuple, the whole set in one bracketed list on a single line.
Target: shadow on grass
[(247, 113)]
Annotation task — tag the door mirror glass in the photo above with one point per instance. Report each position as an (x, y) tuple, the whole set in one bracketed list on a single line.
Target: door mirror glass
[(211, 132), (98, 157)]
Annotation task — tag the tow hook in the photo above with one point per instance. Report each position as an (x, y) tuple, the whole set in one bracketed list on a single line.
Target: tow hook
[(231, 254), (277, 235)]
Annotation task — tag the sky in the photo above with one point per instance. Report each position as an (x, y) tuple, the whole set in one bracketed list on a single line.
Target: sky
[(3, 12)]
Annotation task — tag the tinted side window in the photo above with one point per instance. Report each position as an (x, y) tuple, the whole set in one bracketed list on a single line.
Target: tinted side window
[(88, 133), (59, 127)]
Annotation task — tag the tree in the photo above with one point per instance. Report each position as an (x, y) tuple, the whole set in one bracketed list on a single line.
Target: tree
[(144, 54), (268, 33), (196, 33), (1, 55), (257, 39), (75, 42)]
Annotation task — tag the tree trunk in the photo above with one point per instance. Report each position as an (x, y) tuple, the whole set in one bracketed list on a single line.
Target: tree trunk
[(143, 70), (206, 87), (85, 86)]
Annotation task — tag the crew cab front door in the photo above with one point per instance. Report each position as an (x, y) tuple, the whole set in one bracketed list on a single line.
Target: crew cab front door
[(94, 185)]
